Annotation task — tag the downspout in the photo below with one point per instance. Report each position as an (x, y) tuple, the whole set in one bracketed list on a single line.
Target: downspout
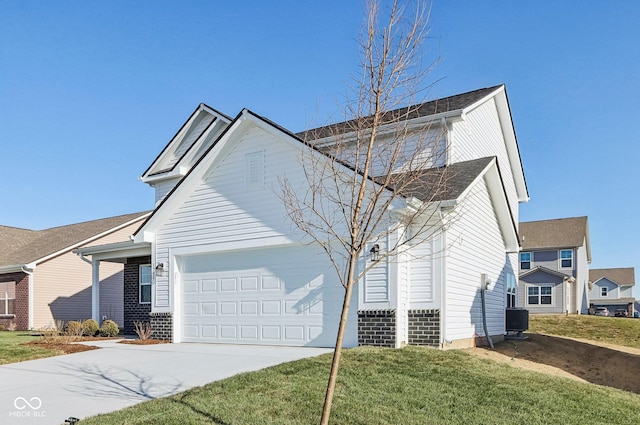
[(28, 270)]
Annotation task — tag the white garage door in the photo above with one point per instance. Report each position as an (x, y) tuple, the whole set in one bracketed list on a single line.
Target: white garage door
[(277, 296)]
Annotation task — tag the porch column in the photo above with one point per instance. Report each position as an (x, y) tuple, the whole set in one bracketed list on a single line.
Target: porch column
[(95, 290)]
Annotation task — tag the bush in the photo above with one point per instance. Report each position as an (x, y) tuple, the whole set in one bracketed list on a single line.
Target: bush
[(90, 327), (1, 328), (74, 328), (109, 328)]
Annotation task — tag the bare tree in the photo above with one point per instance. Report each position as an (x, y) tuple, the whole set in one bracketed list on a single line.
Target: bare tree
[(374, 182)]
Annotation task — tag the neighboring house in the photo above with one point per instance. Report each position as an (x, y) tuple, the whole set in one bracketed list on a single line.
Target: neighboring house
[(554, 266), (612, 289), (42, 281), (220, 261)]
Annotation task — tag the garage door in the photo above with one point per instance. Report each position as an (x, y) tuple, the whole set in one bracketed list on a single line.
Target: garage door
[(277, 296)]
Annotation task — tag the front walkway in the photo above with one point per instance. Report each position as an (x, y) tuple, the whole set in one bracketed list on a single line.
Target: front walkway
[(48, 391)]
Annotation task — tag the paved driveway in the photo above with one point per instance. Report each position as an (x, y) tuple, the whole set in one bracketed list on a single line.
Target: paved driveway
[(48, 391)]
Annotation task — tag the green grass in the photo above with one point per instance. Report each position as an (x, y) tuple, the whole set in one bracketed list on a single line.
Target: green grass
[(384, 386), (12, 350), (614, 330)]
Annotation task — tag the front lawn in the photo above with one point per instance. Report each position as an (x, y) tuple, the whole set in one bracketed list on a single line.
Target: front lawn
[(384, 386), (13, 348)]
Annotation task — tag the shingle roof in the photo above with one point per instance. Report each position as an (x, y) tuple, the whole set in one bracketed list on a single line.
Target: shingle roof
[(446, 104), (21, 246), (621, 276), (557, 233), (442, 183)]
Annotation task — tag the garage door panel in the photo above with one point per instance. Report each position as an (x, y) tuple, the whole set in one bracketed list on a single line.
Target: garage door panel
[(282, 296), (209, 285)]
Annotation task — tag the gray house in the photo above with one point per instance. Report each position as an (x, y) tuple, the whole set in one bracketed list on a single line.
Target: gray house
[(554, 266), (612, 289)]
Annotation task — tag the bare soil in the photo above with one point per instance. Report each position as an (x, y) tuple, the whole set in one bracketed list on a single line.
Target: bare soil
[(583, 360)]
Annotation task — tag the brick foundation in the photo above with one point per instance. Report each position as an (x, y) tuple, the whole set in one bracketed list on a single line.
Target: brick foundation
[(133, 310), (424, 327), (377, 328), (162, 326)]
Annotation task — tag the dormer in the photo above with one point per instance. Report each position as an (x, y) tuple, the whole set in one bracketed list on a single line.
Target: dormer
[(185, 148)]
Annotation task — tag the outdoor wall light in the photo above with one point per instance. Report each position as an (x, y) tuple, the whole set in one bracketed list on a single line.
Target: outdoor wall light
[(159, 269), (375, 252)]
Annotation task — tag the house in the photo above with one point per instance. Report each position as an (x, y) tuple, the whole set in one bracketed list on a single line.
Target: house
[(554, 266), (42, 281), (612, 289), (219, 261)]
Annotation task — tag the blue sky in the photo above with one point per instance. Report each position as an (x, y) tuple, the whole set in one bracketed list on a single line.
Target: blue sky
[(90, 92)]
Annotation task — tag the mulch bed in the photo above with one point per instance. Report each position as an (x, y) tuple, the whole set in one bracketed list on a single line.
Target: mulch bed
[(64, 347), (143, 341)]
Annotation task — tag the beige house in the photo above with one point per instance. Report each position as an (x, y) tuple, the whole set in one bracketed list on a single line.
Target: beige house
[(42, 281)]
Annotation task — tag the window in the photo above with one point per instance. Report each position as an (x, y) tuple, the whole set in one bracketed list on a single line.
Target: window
[(525, 260), (7, 297), (604, 292), (145, 283), (566, 259), (539, 295), (511, 290)]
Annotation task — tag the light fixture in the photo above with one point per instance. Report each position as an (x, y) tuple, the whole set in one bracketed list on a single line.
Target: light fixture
[(375, 252), (159, 269)]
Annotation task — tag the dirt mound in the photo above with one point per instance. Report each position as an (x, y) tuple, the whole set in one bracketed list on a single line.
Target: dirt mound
[(589, 361)]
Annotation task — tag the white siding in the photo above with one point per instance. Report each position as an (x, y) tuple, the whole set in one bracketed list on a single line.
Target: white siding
[(375, 281), (220, 209), (475, 246), (431, 145), (163, 188), (480, 135), (582, 281), (422, 279)]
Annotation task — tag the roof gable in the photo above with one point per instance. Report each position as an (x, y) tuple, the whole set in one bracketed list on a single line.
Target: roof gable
[(187, 145), (556, 234), (619, 276), (43, 244), (545, 270)]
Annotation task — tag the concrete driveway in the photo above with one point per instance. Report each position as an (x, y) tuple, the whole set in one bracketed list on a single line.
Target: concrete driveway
[(48, 391)]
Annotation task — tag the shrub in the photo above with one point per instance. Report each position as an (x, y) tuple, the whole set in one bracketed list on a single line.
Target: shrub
[(143, 329), (90, 327), (1, 328), (109, 328), (12, 326), (74, 328)]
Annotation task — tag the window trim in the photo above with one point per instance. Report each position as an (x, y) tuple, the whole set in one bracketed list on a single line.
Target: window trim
[(539, 295), (512, 290), (141, 284), (5, 300), (530, 262), (604, 291), (560, 259)]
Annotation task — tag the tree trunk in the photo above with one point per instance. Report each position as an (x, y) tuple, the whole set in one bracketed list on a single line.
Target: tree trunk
[(337, 352)]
